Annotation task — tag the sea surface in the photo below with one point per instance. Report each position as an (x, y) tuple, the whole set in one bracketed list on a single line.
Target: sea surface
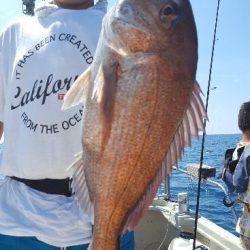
[(211, 197)]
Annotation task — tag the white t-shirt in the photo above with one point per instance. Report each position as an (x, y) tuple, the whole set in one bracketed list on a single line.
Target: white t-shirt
[(40, 57)]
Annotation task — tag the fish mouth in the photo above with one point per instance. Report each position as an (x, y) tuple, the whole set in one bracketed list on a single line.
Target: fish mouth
[(127, 16), (123, 29), (121, 34), (138, 25)]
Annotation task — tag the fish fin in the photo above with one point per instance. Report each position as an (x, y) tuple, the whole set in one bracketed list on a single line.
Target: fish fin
[(97, 93), (90, 245), (77, 93), (80, 188), (104, 92), (191, 124)]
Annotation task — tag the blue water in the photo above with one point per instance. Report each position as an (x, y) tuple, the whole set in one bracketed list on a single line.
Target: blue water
[(211, 197)]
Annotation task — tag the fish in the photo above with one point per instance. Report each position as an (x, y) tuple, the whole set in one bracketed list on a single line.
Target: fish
[(142, 105)]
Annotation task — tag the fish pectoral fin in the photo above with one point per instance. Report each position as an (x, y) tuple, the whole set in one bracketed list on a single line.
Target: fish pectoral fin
[(98, 85), (77, 93), (104, 92), (105, 83)]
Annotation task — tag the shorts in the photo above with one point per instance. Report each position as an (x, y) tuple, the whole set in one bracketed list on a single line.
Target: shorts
[(32, 243)]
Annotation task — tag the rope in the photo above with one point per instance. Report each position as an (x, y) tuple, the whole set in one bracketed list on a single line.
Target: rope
[(205, 122)]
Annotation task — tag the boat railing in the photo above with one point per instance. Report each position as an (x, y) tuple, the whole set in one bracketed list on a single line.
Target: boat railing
[(207, 172)]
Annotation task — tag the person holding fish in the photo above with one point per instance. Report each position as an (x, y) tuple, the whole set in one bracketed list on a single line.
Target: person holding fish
[(236, 173), (142, 105), (40, 58)]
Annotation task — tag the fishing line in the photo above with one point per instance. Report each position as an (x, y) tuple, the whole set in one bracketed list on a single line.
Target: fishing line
[(205, 122), (165, 236)]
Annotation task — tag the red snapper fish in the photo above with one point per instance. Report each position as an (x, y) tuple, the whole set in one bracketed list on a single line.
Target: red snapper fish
[(142, 104)]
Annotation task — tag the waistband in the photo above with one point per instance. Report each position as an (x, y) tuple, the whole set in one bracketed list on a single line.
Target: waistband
[(49, 186)]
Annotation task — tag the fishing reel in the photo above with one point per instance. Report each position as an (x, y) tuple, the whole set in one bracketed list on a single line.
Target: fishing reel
[(28, 7)]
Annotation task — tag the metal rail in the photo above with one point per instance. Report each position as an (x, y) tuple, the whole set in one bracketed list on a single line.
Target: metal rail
[(215, 183)]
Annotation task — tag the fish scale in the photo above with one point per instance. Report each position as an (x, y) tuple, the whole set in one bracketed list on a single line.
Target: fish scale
[(142, 105)]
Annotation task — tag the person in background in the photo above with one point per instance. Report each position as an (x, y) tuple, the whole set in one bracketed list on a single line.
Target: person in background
[(40, 58), (243, 225)]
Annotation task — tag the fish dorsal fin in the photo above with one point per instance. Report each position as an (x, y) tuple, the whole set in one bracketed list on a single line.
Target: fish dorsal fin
[(77, 93), (190, 125)]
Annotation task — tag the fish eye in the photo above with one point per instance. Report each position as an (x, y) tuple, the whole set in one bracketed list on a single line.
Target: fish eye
[(167, 11)]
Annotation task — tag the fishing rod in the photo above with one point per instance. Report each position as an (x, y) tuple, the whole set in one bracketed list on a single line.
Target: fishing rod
[(205, 122)]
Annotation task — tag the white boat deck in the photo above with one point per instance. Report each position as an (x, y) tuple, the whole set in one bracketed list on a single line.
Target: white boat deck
[(161, 224)]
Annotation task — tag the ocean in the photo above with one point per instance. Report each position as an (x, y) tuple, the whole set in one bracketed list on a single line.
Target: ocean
[(211, 197), (211, 206)]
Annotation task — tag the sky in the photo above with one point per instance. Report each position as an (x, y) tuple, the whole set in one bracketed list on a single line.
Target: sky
[(230, 80)]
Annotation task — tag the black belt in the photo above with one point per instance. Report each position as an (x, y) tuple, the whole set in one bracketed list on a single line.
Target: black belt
[(49, 186)]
